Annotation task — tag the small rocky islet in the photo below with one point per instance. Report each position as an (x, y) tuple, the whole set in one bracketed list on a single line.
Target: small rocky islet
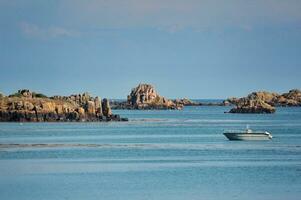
[(265, 102), (145, 97), (27, 106)]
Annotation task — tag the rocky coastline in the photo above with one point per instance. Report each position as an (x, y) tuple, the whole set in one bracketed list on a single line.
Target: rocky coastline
[(27, 106)]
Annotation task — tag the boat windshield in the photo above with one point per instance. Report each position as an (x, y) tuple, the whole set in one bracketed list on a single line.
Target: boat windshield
[(248, 130)]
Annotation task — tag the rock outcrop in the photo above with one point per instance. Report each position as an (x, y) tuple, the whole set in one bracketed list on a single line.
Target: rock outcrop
[(264, 102), (179, 103), (144, 96), (106, 109), (25, 106), (252, 106), (25, 93), (291, 98), (186, 102)]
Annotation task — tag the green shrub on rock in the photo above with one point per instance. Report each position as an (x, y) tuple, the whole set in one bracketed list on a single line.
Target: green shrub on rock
[(38, 95), (17, 94)]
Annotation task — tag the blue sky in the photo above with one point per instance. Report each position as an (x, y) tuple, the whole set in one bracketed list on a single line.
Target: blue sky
[(191, 48)]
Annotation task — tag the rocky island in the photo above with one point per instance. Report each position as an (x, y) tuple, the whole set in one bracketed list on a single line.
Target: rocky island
[(27, 106), (246, 105), (265, 102), (145, 97)]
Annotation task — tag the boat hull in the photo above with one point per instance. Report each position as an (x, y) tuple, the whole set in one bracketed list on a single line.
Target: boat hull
[(248, 136)]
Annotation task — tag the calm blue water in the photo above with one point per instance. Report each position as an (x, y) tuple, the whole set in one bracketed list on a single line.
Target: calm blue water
[(160, 155)]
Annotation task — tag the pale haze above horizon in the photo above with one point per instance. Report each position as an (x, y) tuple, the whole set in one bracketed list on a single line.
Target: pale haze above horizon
[(192, 48)]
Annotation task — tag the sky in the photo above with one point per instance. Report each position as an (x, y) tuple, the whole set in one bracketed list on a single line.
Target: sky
[(191, 48)]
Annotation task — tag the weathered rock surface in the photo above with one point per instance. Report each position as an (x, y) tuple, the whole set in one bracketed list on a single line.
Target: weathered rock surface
[(25, 106), (186, 102), (1, 95), (291, 98), (120, 104), (264, 102), (106, 109), (252, 106), (145, 97), (25, 93)]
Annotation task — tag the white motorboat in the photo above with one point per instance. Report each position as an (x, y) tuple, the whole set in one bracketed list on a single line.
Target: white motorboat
[(247, 134)]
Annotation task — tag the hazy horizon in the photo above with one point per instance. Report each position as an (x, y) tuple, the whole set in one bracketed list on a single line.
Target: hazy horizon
[(194, 49)]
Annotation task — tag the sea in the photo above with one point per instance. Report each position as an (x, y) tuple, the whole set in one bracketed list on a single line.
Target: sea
[(156, 155)]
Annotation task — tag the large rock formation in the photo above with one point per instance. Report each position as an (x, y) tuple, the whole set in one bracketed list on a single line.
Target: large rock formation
[(264, 102), (25, 106), (144, 96)]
